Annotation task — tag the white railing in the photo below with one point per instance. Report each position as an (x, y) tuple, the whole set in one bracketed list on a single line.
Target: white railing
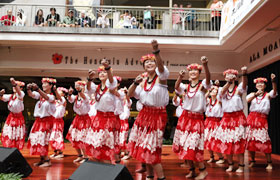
[(115, 17)]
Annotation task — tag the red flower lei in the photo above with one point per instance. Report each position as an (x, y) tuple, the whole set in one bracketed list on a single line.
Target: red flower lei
[(260, 100), (97, 93), (12, 98), (152, 85), (212, 105), (195, 91), (229, 97)]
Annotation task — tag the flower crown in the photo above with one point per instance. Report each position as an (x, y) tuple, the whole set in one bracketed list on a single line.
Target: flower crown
[(194, 66), (230, 71), (148, 57), (260, 80), (118, 78), (82, 83), (20, 83), (49, 80), (102, 68), (62, 89)]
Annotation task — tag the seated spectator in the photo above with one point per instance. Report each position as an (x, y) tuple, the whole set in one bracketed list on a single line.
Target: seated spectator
[(126, 20), (9, 19), (39, 18), (103, 21), (134, 22), (176, 18), (52, 19), (84, 21), (191, 18), (21, 18), (70, 20)]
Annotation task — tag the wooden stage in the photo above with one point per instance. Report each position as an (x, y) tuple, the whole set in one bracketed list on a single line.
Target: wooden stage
[(62, 169)]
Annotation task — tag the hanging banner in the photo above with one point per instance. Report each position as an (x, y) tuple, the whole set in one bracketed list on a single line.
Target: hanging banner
[(234, 11)]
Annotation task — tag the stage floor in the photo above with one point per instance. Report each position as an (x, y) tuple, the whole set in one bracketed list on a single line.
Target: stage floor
[(62, 169)]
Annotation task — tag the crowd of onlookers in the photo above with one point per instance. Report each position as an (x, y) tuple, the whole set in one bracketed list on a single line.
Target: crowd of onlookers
[(180, 18)]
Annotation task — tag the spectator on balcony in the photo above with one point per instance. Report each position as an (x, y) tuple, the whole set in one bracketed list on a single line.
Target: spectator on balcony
[(52, 19), (134, 22), (39, 18), (84, 21), (70, 20), (191, 18), (216, 8), (103, 21), (148, 18), (176, 18), (21, 18), (9, 19), (126, 20)]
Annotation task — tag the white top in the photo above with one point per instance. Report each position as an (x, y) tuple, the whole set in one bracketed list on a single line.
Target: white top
[(44, 108), (126, 21), (197, 102), (179, 109), (213, 111), (139, 106), (92, 111), (158, 96), (81, 106), (16, 105), (233, 104), (107, 102), (261, 106), (120, 102), (60, 108), (126, 112)]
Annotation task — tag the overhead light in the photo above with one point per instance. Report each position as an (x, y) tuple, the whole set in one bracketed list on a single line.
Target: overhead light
[(187, 52), (99, 49)]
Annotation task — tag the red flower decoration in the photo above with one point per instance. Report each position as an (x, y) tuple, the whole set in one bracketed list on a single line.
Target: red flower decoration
[(57, 58)]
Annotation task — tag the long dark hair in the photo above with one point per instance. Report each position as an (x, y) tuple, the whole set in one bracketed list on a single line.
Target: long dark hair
[(40, 17)]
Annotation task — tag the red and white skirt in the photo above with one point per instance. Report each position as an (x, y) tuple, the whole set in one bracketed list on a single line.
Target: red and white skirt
[(56, 137), (210, 124), (78, 131), (123, 133), (13, 132), (102, 141), (188, 140), (39, 136), (257, 133), (230, 136), (145, 141)]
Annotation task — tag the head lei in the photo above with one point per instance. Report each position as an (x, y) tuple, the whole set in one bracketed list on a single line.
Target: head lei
[(230, 71), (260, 80), (49, 80), (148, 57), (194, 66), (81, 83)]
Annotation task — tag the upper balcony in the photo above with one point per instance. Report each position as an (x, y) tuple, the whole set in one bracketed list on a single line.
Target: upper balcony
[(116, 20)]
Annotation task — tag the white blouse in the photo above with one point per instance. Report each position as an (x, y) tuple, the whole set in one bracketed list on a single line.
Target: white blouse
[(120, 102), (107, 102), (194, 103), (158, 96), (14, 105), (213, 111), (179, 109), (261, 106), (139, 106), (126, 112), (92, 111), (233, 104), (81, 107), (60, 108), (44, 108)]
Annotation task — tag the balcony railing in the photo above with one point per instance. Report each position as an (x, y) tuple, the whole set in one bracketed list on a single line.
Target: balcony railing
[(113, 20)]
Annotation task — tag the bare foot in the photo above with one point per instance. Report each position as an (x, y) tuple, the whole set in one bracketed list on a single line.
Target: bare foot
[(190, 175), (201, 175), (211, 160), (269, 166), (230, 168)]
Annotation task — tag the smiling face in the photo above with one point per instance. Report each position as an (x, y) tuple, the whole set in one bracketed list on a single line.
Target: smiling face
[(230, 76), (103, 75), (150, 65), (194, 74), (46, 86), (260, 86), (79, 87), (213, 92)]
